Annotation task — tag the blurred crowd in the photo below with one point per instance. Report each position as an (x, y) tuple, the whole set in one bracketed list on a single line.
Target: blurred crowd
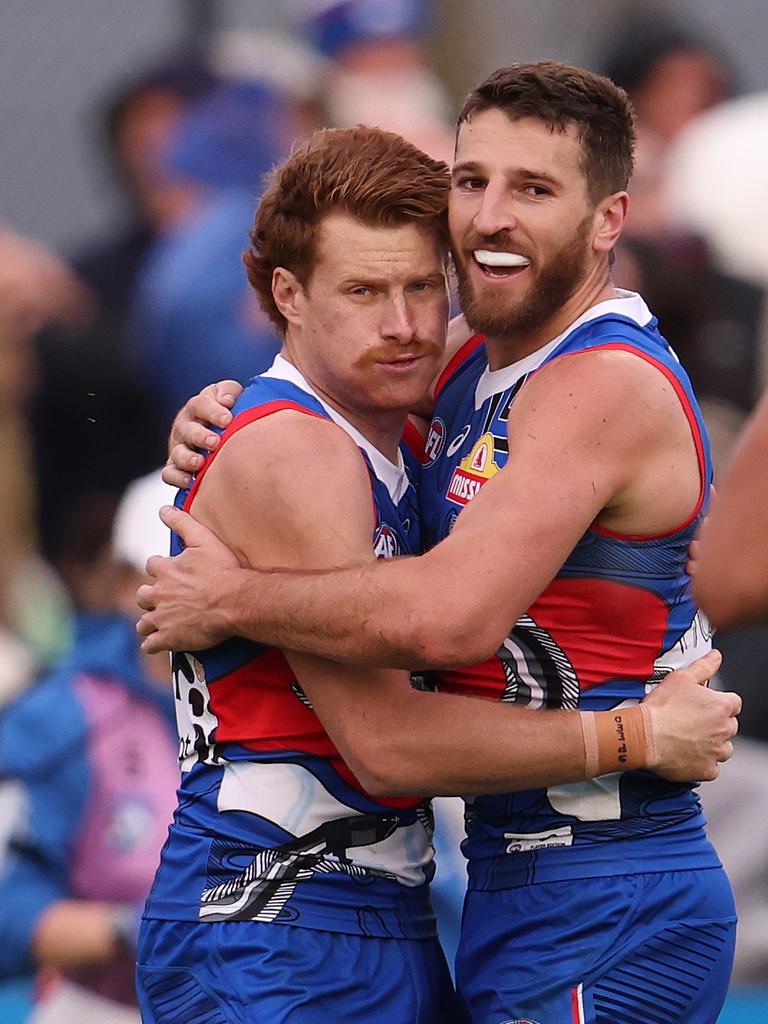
[(99, 347)]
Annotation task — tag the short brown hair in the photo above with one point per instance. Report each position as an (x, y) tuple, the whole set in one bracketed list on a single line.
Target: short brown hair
[(559, 96), (371, 174)]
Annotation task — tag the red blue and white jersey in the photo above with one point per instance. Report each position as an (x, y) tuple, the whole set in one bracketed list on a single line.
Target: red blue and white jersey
[(271, 824), (615, 620)]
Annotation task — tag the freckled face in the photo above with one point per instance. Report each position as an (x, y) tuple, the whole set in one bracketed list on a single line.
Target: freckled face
[(374, 313)]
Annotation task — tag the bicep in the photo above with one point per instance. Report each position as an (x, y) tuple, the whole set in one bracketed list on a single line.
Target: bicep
[(560, 473)]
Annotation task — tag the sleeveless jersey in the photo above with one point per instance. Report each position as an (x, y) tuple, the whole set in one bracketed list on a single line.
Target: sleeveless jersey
[(615, 620), (271, 824)]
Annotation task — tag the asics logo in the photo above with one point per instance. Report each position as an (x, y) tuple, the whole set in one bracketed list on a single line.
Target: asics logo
[(458, 441)]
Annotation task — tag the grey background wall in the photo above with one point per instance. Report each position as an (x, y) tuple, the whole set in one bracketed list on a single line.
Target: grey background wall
[(59, 57)]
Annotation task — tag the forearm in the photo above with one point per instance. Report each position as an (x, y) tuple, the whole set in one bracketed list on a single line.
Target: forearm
[(339, 615), (395, 613), (441, 744), (449, 745), (74, 933)]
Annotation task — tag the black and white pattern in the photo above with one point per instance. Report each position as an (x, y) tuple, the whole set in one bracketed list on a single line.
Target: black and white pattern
[(194, 718), (538, 672)]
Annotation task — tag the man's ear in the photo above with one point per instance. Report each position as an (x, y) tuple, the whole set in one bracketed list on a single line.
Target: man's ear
[(287, 291), (610, 217)]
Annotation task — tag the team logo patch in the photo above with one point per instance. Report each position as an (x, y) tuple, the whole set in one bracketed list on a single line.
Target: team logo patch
[(472, 472), (434, 442), (385, 542)]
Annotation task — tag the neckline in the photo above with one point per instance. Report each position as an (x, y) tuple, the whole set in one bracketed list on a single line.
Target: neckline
[(492, 382), (391, 474)]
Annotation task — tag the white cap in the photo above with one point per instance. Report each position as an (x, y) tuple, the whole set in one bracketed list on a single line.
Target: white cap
[(138, 532)]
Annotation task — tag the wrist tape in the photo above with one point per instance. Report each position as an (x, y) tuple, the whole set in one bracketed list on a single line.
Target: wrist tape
[(617, 740)]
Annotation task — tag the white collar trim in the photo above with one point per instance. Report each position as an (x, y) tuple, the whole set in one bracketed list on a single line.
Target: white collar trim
[(391, 474), (493, 382)]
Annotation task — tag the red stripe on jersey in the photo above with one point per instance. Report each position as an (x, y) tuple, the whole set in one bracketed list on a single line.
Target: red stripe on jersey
[(606, 629), (692, 423), (486, 680), (413, 440), (457, 359)]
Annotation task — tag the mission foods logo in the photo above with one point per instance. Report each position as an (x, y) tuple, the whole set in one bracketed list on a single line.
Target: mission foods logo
[(472, 472)]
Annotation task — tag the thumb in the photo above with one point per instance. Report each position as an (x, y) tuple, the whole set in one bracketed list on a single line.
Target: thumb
[(701, 670), (227, 392), (192, 533)]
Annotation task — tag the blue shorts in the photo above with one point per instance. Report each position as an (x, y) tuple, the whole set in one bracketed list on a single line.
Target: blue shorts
[(248, 972), (628, 949)]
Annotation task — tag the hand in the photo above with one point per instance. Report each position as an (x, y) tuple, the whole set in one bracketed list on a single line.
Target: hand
[(185, 604), (691, 726), (191, 430)]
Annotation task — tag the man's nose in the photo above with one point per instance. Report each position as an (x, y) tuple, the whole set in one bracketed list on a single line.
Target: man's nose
[(397, 324), (495, 213)]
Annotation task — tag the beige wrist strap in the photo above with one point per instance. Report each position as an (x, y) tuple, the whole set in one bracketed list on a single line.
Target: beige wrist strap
[(617, 740)]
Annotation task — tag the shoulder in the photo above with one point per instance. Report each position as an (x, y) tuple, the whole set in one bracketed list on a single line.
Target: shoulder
[(459, 332), (290, 446), (283, 485), (604, 380)]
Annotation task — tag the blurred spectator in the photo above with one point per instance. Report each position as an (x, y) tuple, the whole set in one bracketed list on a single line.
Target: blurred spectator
[(35, 288), (88, 388), (134, 128), (715, 321), (287, 64), (713, 316), (672, 73), (717, 184), (88, 772), (197, 319), (379, 72)]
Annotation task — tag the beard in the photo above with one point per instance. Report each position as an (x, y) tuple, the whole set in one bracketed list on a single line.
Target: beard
[(555, 281)]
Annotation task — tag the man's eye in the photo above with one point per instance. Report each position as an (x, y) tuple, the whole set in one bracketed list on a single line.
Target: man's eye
[(537, 190), (361, 290), (470, 184)]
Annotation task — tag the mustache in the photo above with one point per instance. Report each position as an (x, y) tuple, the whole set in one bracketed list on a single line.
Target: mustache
[(415, 350)]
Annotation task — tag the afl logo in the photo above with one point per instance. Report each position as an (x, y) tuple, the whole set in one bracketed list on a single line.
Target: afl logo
[(519, 1020), (435, 441), (385, 542)]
